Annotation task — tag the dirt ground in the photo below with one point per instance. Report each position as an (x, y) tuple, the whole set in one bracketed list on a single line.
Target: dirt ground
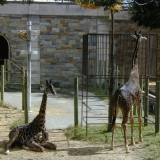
[(66, 149)]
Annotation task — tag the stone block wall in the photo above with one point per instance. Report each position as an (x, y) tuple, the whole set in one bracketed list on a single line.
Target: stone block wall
[(61, 42), (61, 36)]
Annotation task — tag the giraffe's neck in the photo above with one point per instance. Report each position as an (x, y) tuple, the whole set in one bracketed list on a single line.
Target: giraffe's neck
[(134, 72), (135, 54), (42, 110), (38, 122)]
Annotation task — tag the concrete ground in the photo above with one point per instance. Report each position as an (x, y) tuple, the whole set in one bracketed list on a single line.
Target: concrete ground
[(60, 108)]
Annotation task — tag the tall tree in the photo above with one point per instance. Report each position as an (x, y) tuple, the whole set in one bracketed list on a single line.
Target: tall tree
[(2, 2), (146, 13)]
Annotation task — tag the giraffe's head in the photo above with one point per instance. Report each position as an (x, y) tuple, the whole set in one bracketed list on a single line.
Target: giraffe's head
[(138, 36), (49, 88)]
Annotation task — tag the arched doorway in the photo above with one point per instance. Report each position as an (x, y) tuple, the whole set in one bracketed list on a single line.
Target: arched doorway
[(4, 49)]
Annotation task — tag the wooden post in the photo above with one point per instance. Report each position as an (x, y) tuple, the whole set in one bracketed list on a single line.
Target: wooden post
[(26, 111), (2, 83), (76, 101), (157, 111), (23, 87), (146, 102), (9, 71)]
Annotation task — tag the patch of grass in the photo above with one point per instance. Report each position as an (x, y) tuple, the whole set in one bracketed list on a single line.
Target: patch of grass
[(98, 134), (19, 121), (95, 133)]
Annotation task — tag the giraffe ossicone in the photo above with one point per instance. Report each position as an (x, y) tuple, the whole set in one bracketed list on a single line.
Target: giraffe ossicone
[(126, 96), (25, 135)]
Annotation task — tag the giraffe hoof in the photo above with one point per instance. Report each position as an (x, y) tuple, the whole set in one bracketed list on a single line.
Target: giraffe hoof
[(128, 151), (112, 147), (7, 152)]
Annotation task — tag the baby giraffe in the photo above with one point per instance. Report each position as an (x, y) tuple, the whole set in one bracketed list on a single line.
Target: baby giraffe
[(25, 135)]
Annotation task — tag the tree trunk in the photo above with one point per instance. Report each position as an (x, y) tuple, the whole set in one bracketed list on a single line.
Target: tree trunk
[(112, 75)]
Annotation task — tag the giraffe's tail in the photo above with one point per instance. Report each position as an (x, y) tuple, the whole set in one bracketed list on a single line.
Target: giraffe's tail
[(115, 105)]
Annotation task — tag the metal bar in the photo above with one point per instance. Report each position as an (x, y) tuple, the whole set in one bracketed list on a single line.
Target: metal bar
[(23, 87), (76, 101), (157, 116), (150, 95), (86, 107), (146, 101), (15, 65), (26, 111), (29, 23)]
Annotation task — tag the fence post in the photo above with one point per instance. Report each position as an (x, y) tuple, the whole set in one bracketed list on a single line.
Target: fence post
[(9, 70), (2, 83), (23, 86), (157, 109), (26, 112), (146, 102), (76, 101)]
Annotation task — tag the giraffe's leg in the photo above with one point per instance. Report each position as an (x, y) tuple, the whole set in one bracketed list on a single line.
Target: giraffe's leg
[(112, 142), (49, 145), (45, 143), (33, 146), (132, 122), (113, 127), (124, 126), (140, 121), (12, 138)]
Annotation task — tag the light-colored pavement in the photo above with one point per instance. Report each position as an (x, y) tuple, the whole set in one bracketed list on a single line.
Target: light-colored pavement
[(60, 108)]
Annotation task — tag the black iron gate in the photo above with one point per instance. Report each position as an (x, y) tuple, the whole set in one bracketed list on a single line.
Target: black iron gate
[(96, 70)]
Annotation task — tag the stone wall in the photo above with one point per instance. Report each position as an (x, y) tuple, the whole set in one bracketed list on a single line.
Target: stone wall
[(60, 41), (62, 27), (61, 46)]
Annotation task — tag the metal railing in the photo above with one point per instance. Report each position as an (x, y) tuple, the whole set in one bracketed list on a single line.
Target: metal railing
[(96, 71), (24, 89)]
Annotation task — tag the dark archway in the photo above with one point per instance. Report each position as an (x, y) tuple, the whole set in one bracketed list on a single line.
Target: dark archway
[(4, 49)]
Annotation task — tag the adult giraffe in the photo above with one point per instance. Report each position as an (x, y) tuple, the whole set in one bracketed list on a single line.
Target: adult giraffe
[(126, 96)]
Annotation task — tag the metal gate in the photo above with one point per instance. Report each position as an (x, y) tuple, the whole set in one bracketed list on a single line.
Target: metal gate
[(96, 70)]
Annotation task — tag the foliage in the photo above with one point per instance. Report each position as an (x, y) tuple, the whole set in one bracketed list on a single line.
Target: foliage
[(147, 15), (2, 2), (94, 4)]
